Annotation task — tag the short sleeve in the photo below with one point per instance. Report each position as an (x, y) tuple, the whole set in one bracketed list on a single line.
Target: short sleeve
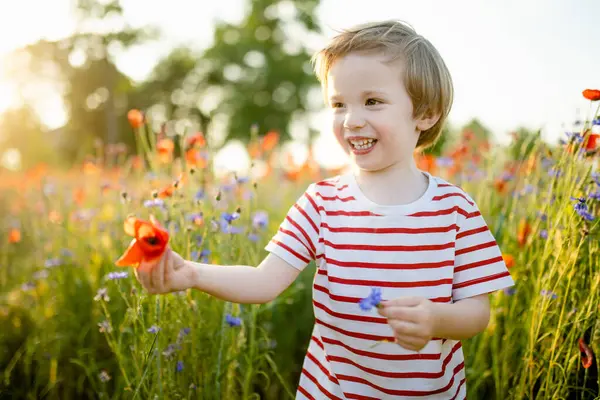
[(298, 235), (478, 264)]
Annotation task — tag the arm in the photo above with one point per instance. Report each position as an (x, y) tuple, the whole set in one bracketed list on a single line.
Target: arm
[(242, 283), (463, 319), (239, 283)]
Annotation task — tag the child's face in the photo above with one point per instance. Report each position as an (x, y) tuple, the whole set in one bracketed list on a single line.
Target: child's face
[(368, 100)]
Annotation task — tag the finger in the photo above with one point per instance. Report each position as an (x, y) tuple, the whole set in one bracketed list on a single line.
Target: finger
[(404, 328), (401, 313), (406, 301), (409, 343), (158, 271), (143, 278)]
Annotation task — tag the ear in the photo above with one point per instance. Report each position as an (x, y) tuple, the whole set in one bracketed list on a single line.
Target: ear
[(427, 121)]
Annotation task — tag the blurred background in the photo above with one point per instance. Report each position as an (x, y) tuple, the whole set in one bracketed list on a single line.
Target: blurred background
[(71, 69)]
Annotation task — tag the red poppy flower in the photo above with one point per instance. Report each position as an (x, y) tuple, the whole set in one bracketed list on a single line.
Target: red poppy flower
[(509, 260), (587, 356), (591, 94), (523, 232), (270, 140), (591, 141), (14, 236), (196, 140), (149, 243), (136, 118)]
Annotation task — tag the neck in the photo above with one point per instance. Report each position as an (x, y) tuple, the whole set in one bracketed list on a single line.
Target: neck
[(379, 185)]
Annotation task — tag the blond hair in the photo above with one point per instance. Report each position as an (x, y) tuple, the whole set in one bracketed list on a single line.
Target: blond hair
[(426, 77)]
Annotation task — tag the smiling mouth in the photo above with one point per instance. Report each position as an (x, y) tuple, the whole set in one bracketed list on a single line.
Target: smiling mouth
[(362, 144)]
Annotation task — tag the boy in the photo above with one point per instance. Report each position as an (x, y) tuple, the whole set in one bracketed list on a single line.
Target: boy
[(385, 225)]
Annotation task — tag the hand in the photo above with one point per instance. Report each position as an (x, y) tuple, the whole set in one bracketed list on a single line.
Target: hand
[(413, 320), (169, 273)]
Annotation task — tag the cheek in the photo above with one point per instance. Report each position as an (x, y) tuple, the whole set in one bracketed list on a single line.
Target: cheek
[(337, 125)]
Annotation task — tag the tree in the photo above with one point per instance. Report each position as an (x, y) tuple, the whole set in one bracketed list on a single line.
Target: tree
[(81, 67), (253, 74)]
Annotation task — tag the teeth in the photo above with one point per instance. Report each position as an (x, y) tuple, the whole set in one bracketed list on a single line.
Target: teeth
[(362, 144), (361, 141)]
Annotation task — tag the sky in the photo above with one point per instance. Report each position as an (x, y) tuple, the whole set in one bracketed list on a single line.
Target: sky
[(514, 63)]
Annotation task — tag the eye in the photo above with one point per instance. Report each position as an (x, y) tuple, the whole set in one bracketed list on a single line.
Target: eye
[(372, 102), (337, 105)]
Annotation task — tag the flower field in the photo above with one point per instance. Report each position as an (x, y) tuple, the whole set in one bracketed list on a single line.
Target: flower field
[(75, 325)]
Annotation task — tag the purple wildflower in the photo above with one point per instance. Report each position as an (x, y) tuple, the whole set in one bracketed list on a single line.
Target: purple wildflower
[(549, 293), (555, 173), (199, 195), (66, 253), (179, 366), (444, 162), (52, 262), (154, 203), (230, 217), (372, 300), (112, 276), (153, 329), (509, 291), (260, 219), (594, 195), (42, 274), (170, 350), (581, 208), (253, 237), (183, 333), (102, 294), (544, 234), (27, 286), (104, 376), (105, 326), (233, 321)]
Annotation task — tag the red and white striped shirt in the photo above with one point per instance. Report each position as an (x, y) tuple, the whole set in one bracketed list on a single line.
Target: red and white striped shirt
[(438, 247)]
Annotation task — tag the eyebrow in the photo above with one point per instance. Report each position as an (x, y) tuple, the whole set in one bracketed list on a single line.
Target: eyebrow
[(363, 94)]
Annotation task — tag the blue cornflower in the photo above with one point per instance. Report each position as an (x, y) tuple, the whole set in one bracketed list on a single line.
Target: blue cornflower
[(594, 195), (596, 122), (372, 300), (542, 216), (199, 195), (232, 321), (170, 350), (260, 219), (179, 366), (154, 203), (555, 173), (576, 136), (549, 293), (243, 179), (544, 234), (192, 217), (253, 237), (581, 208), (596, 177), (444, 162), (509, 291), (154, 329), (204, 255), (230, 217), (117, 275), (184, 332), (52, 262), (66, 253)]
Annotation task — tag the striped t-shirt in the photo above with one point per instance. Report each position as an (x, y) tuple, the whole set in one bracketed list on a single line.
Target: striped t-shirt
[(438, 247)]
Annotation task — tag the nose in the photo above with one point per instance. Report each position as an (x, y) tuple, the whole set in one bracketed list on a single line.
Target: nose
[(354, 120)]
